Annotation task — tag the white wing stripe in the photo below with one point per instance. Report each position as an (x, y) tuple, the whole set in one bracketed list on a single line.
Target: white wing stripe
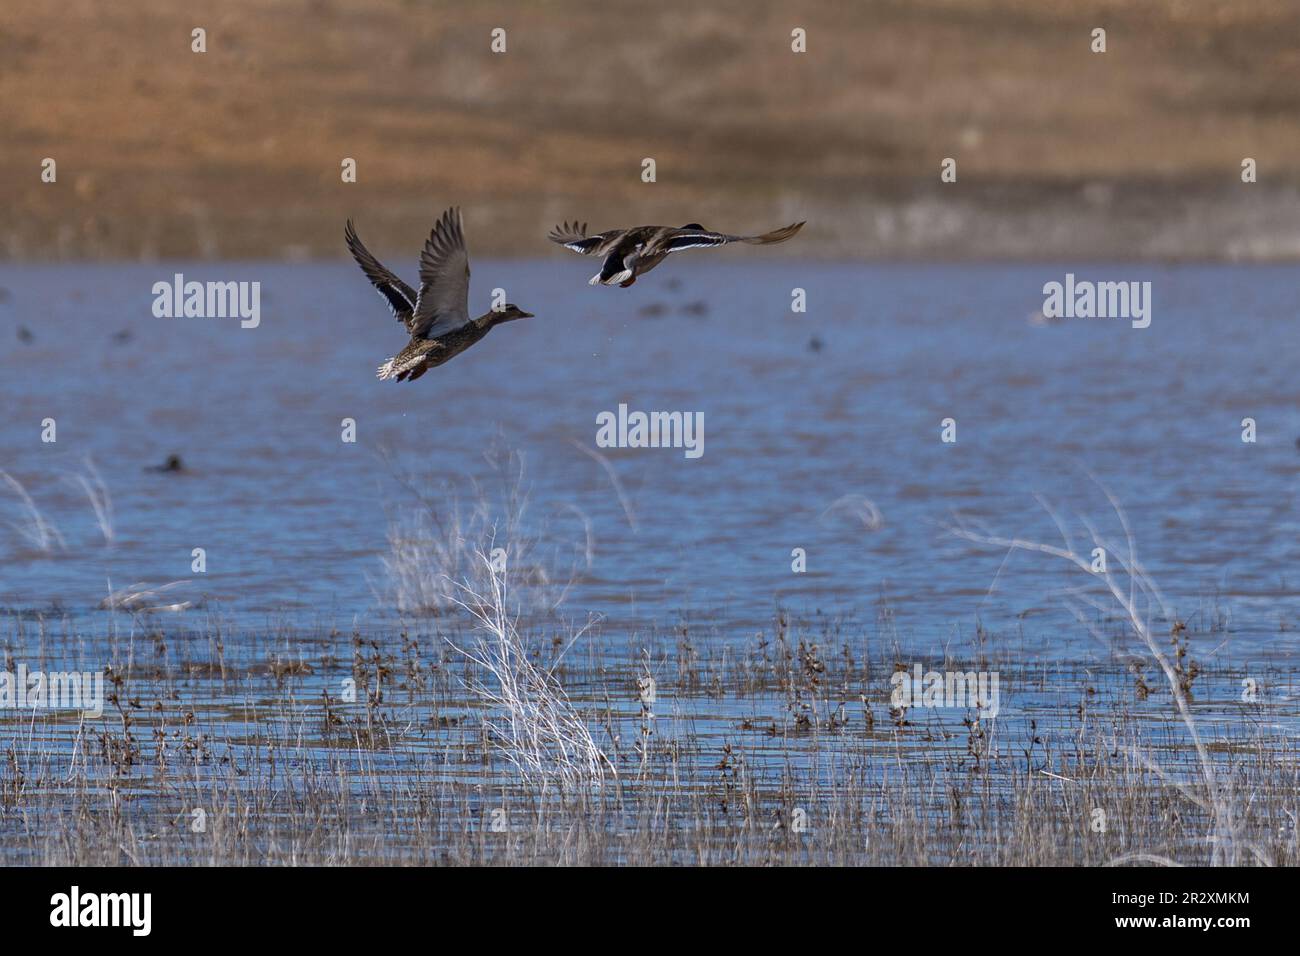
[(696, 242)]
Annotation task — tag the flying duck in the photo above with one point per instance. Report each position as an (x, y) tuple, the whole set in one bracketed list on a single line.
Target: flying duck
[(630, 253), (437, 317)]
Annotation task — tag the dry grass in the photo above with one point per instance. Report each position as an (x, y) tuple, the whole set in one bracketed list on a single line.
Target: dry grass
[(435, 537), (101, 502), (32, 526), (783, 752), (1131, 589), (535, 727), (494, 733)]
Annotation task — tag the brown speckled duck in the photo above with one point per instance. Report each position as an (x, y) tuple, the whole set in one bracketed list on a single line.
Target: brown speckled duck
[(437, 317), (630, 253)]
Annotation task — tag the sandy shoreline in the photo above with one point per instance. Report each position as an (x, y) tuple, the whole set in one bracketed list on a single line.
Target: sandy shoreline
[(1094, 221), (236, 152)]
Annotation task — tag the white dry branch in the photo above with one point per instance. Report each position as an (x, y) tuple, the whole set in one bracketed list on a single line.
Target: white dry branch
[(1134, 592), (144, 597), (35, 529), (856, 507), (536, 728), (97, 493), (626, 503)]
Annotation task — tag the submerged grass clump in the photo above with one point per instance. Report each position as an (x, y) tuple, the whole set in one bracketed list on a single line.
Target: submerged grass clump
[(477, 726), (1130, 588), (478, 739)]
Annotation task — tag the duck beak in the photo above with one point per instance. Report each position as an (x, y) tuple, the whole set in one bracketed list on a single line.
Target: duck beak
[(526, 315)]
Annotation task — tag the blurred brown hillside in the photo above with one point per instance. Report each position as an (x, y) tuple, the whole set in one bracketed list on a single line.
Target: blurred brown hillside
[(163, 152)]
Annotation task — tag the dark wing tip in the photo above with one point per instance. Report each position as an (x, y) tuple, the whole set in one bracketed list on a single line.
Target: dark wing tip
[(776, 235), (446, 238), (567, 232), (353, 242), (446, 223), (452, 220)]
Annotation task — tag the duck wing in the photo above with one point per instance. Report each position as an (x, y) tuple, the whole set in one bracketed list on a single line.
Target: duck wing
[(399, 296), (689, 238), (573, 235), (443, 303)]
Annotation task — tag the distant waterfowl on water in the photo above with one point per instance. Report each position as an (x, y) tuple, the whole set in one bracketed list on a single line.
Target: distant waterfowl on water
[(631, 253), (171, 465), (437, 317)]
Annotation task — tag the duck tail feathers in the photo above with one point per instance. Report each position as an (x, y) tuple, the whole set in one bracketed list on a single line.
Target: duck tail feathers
[(776, 235)]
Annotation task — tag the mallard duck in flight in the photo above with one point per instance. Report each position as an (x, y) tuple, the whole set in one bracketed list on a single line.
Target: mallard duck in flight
[(437, 317), (630, 253)]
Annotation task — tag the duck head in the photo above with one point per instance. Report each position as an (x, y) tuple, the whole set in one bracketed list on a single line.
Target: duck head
[(509, 312)]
